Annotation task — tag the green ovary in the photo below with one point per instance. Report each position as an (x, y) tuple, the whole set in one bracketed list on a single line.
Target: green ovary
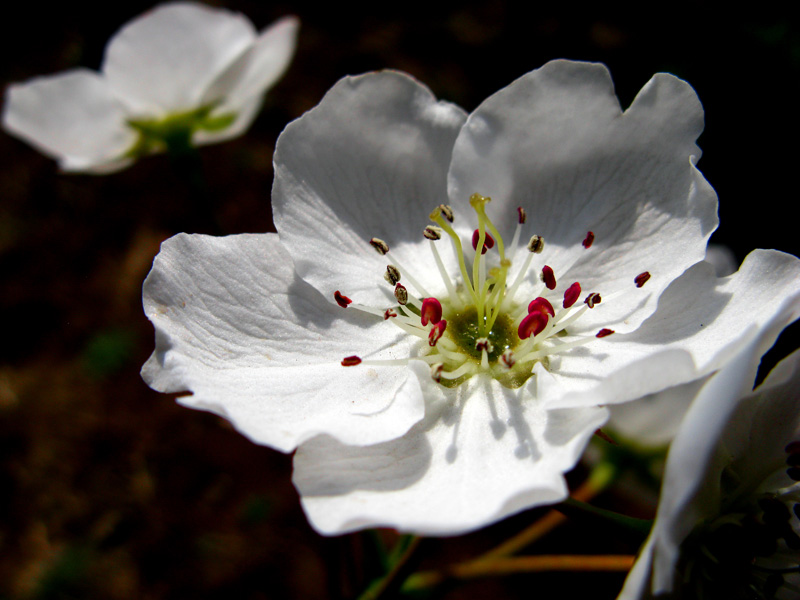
[(462, 328), (174, 132)]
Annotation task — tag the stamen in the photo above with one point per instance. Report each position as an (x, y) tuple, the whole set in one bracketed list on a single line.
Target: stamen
[(548, 277), (532, 324), (431, 311), (484, 345), (536, 244), (388, 314), (401, 293), (487, 244), (432, 232), (543, 305), (588, 240), (592, 299), (451, 289), (437, 331), (604, 333), (641, 279), (436, 371), (380, 246), (351, 361), (507, 359), (466, 368), (341, 300), (392, 275), (572, 294), (522, 215), (447, 212)]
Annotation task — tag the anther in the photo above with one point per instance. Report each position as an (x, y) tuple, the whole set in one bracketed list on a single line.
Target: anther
[(588, 240), (447, 212), (549, 277), (388, 314), (341, 300), (532, 324), (487, 243), (543, 305), (436, 371), (392, 275), (432, 232), (792, 447), (641, 279), (401, 293), (592, 299), (793, 473), (522, 215), (507, 359), (436, 333), (572, 294), (431, 311), (536, 244), (482, 344), (351, 361), (379, 245), (604, 333)]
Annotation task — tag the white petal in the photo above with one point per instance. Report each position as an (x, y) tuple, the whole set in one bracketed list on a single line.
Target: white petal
[(256, 69), (557, 143), (700, 317), (164, 60), (369, 161), (72, 117), (482, 453), (261, 348)]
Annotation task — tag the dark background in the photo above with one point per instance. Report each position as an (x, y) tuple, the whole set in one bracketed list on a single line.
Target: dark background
[(108, 489)]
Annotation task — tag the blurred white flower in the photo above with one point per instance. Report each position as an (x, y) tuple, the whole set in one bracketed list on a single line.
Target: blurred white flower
[(182, 73), (728, 519), (431, 387)]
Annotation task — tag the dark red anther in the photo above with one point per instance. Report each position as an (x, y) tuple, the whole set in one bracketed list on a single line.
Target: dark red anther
[(588, 240), (522, 215), (532, 325), (351, 361), (431, 311), (592, 299), (487, 243), (388, 314), (641, 279), (572, 294), (436, 332), (543, 305), (341, 300), (549, 277), (604, 333)]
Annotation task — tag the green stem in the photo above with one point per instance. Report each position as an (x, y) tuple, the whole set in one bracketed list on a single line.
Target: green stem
[(401, 567), (640, 526)]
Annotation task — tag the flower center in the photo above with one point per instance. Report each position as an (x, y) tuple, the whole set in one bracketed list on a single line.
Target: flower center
[(481, 323), (174, 132)]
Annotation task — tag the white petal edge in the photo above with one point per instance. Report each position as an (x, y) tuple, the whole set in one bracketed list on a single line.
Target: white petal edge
[(164, 60), (254, 344), (72, 117), (481, 454)]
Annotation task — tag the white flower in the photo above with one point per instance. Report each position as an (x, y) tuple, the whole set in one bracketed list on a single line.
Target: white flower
[(728, 519), (180, 73), (427, 390)]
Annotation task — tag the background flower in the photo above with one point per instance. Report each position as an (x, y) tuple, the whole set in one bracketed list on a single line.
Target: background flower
[(729, 456), (181, 73)]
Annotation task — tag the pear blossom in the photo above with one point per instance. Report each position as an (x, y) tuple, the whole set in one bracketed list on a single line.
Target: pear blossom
[(182, 73), (451, 298), (728, 522)]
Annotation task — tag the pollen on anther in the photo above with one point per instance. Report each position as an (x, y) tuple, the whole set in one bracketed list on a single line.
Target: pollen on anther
[(436, 371), (482, 344), (380, 246), (401, 294), (532, 324), (572, 294), (487, 243), (507, 359), (351, 361), (549, 277), (523, 216), (432, 232), (541, 304), (536, 244), (604, 333), (641, 279), (392, 275), (588, 240), (592, 299), (431, 311), (389, 313), (447, 212), (341, 299)]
